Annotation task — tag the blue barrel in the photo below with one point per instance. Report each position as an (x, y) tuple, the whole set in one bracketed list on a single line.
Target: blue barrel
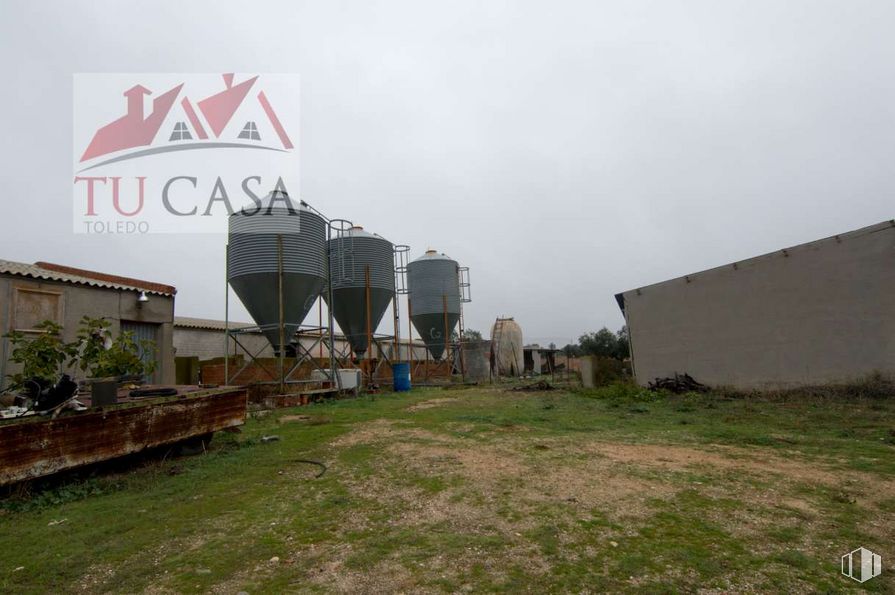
[(401, 375)]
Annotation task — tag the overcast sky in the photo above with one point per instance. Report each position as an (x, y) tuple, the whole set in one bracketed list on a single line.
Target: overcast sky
[(564, 151)]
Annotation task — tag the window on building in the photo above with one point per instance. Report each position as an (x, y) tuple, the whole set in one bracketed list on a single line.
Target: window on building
[(181, 132), (250, 131)]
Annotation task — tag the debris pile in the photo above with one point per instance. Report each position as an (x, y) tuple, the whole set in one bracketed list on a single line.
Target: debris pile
[(40, 396), (679, 383), (534, 387)]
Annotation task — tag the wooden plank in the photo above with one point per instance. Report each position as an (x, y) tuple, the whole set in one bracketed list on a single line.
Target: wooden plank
[(34, 447)]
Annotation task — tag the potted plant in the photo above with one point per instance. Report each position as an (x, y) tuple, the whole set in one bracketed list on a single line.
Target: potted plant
[(41, 357), (105, 360)]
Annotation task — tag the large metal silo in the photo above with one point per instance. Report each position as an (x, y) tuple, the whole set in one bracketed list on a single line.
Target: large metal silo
[(253, 262), (433, 283), (360, 260)]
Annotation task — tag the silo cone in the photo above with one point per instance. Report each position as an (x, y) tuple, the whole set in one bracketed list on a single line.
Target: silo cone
[(433, 282), (431, 328), (359, 258), (253, 259)]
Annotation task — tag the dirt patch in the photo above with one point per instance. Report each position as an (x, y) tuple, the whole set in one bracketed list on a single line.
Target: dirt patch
[(368, 433), (385, 577), (432, 403), (509, 475), (744, 462), (292, 418), (516, 486)]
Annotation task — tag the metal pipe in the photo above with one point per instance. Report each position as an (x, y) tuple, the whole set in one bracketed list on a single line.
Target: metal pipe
[(447, 346), (281, 313), (226, 315), (334, 378), (410, 338), (396, 350), (369, 323), (460, 348)]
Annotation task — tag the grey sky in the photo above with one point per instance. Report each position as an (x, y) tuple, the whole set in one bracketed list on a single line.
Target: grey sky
[(564, 151)]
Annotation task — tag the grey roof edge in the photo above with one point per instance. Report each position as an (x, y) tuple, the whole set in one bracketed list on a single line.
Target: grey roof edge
[(782, 252), (31, 271), (211, 324), (208, 323), (620, 299)]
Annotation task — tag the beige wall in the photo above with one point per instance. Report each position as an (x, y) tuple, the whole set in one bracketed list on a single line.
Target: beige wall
[(208, 344), (75, 301), (818, 313)]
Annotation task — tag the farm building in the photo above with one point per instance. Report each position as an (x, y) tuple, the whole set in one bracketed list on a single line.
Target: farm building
[(817, 313), (32, 293), (203, 338)]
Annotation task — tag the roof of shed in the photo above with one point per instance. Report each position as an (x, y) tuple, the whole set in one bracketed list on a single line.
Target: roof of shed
[(64, 274), (208, 323)]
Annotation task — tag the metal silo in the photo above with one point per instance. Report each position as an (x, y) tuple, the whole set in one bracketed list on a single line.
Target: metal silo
[(360, 261), (433, 282), (253, 262)]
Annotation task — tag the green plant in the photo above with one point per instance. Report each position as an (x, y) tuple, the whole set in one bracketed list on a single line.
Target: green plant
[(42, 356), (100, 356)]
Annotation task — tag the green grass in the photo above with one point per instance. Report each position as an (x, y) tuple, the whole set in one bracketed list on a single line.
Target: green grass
[(486, 490)]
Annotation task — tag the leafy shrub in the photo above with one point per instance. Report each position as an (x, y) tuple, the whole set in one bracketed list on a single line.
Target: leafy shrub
[(94, 351), (101, 356), (873, 386), (41, 357)]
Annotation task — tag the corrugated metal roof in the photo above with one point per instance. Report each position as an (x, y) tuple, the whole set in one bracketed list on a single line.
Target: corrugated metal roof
[(219, 325), (207, 323), (34, 271)]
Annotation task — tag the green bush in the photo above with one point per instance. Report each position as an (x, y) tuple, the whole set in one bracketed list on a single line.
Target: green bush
[(41, 356), (101, 356), (94, 351)]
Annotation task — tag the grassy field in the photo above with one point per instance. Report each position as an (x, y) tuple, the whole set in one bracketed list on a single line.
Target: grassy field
[(483, 489)]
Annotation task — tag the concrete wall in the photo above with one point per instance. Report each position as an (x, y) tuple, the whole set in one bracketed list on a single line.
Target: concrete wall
[(818, 313), (477, 361), (23, 300), (209, 344), (587, 365)]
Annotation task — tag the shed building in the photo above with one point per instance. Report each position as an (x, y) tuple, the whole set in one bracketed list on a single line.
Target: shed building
[(32, 293), (203, 339), (817, 313)]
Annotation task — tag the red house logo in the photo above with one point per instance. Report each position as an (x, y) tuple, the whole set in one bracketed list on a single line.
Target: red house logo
[(228, 118)]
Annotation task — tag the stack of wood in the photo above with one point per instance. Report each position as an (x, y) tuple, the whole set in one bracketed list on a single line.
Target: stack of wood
[(679, 383)]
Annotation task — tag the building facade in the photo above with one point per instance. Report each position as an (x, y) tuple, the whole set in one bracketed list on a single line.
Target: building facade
[(817, 313), (32, 293), (204, 338)]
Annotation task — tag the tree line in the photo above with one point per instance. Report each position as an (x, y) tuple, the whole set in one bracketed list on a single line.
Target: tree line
[(602, 343)]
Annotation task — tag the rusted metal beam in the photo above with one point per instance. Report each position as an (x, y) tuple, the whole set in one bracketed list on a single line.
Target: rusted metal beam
[(35, 446)]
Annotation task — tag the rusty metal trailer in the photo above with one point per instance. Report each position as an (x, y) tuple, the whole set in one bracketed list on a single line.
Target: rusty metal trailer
[(32, 447)]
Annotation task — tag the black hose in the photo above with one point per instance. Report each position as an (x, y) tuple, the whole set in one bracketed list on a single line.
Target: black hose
[(153, 392), (310, 462)]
